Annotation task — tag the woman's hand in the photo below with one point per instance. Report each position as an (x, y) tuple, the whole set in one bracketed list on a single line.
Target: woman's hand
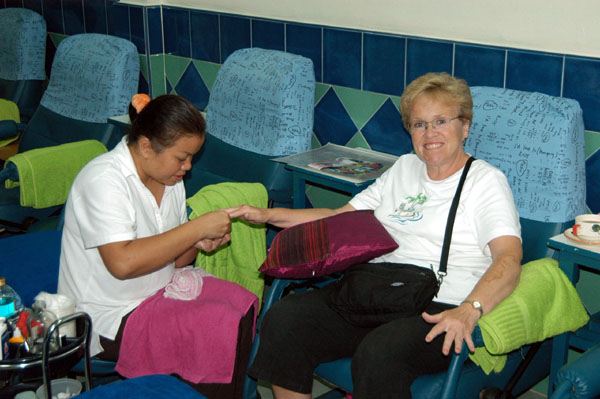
[(249, 213), (497, 283), (458, 325)]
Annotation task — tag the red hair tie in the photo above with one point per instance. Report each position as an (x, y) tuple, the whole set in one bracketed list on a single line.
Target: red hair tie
[(139, 101)]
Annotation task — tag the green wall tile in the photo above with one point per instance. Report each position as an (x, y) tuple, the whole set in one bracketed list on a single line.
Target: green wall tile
[(56, 38), (358, 141), (315, 142), (175, 67), (395, 101), (144, 67), (208, 71), (361, 105), (592, 143), (320, 90), (157, 69)]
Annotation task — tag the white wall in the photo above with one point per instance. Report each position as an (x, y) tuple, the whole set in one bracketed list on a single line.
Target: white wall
[(559, 26)]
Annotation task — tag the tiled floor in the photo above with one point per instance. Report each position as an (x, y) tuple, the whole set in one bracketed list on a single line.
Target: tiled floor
[(319, 388)]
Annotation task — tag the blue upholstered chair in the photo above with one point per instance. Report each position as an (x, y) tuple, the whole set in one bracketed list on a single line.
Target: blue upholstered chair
[(93, 77), (579, 379), (261, 107), (22, 58), (538, 142), (158, 386)]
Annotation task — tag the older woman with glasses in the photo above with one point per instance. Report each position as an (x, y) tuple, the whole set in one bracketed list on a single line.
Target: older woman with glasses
[(301, 331)]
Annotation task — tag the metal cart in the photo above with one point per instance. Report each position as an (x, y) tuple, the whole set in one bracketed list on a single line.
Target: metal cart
[(62, 359)]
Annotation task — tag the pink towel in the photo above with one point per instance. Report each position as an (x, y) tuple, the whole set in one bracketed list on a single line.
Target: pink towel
[(195, 339), (186, 283)]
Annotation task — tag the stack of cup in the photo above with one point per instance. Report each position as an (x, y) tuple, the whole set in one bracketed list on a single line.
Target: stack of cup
[(587, 228)]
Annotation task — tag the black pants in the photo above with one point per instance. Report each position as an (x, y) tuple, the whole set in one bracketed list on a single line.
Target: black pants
[(233, 390), (301, 331)]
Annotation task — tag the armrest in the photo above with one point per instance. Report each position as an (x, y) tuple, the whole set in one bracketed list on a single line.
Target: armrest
[(579, 379), (456, 365), (279, 285), (9, 129), (275, 293), (9, 172)]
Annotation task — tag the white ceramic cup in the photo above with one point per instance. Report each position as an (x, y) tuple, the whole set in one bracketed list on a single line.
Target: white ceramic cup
[(587, 227)]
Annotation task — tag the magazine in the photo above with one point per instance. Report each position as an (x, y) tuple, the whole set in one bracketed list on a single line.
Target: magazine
[(357, 165)]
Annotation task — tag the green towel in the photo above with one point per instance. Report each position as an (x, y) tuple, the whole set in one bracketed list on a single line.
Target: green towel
[(239, 260), (46, 174), (9, 111), (543, 305)]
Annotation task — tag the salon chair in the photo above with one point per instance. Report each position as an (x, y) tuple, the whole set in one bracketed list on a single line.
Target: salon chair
[(538, 142), (158, 386), (260, 107), (93, 78), (579, 379), (22, 58)]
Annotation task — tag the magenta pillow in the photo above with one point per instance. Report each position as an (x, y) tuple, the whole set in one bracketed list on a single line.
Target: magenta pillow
[(327, 245)]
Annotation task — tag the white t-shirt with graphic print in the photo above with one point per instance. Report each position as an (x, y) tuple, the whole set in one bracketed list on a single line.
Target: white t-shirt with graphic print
[(414, 209)]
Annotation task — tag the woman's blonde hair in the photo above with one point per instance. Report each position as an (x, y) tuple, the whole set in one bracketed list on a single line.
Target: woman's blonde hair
[(441, 86)]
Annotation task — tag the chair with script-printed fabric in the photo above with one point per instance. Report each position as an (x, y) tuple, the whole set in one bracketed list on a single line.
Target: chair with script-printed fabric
[(22, 58), (261, 107), (93, 78), (538, 142)]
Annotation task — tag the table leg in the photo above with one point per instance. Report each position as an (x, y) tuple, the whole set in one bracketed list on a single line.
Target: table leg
[(560, 352), (299, 191), (560, 343)]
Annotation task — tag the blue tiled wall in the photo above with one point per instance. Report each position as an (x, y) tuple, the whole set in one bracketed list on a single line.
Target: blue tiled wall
[(357, 59), (351, 58), (367, 62)]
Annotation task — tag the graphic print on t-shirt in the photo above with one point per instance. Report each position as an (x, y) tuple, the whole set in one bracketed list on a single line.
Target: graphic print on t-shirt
[(409, 210)]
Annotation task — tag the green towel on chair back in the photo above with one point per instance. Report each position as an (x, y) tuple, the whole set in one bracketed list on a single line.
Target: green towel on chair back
[(543, 305), (46, 174), (238, 260)]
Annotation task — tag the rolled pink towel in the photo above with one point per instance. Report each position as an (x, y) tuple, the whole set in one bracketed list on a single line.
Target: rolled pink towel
[(186, 283)]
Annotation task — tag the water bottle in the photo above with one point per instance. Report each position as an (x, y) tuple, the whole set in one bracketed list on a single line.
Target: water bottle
[(10, 301)]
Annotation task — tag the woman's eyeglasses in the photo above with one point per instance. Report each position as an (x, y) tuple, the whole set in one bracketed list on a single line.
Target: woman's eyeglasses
[(441, 123)]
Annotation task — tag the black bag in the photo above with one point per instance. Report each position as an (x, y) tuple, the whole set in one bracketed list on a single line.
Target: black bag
[(372, 294)]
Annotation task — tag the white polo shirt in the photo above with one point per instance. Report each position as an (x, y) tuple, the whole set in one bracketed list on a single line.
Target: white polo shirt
[(414, 210), (109, 203)]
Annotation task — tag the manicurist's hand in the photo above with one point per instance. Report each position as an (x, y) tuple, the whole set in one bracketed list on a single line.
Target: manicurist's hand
[(214, 225), (209, 245), (133, 258)]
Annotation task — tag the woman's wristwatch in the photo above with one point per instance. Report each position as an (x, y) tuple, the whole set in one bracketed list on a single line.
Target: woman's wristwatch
[(476, 305)]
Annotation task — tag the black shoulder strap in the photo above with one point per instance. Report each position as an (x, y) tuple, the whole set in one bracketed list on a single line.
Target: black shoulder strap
[(450, 223)]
